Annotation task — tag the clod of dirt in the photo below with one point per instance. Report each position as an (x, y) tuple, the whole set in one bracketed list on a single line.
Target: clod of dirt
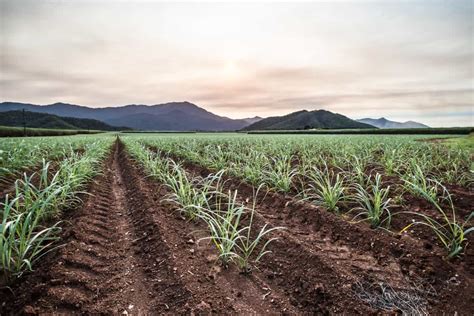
[(215, 270), (29, 310), (202, 307), (212, 258)]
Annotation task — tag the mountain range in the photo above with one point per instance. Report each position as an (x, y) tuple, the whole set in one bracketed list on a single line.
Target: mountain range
[(50, 121), (307, 120), (174, 116), (186, 116), (384, 123)]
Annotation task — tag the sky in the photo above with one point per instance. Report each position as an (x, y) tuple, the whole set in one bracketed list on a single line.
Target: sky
[(403, 60)]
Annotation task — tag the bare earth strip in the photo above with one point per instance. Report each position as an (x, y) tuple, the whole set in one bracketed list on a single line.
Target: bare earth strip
[(129, 251)]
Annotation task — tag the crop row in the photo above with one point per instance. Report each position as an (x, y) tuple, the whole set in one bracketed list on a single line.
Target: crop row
[(230, 223), (10, 131), (394, 155), (29, 217), (19, 154), (334, 172)]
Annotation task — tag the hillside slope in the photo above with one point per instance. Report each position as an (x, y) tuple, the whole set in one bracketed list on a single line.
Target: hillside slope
[(384, 123), (44, 120), (307, 120), (179, 116)]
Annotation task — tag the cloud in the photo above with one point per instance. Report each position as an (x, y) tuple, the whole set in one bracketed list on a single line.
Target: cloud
[(361, 59)]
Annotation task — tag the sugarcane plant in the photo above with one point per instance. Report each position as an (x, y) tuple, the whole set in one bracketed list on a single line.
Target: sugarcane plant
[(23, 241), (249, 246), (419, 184), (373, 202), (191, 193), (279, 174), (38, 198), (223, 220), (325, 188), (450, 231)]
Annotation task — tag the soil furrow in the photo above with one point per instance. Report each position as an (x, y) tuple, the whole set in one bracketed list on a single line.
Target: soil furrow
[(212, 288), (98, 269), (314, 281), (285, 270), (353, 252), (129, 251)]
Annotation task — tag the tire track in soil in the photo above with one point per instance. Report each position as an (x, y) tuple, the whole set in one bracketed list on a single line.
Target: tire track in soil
[(346, 253), (126, 247), (100, 269)]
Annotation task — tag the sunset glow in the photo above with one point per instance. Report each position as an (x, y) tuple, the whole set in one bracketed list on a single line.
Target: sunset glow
[(405, 60)]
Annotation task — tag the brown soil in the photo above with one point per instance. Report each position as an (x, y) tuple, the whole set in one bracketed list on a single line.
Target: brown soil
[(96, 270), (7, 182), (129, 251), (293, 280), (355, 253)]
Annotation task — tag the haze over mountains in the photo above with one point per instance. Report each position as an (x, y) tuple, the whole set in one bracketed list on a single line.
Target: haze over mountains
[(186, 116), (384, 123)]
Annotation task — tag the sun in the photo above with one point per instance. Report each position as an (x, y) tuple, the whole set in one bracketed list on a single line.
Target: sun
[(231, 69)]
